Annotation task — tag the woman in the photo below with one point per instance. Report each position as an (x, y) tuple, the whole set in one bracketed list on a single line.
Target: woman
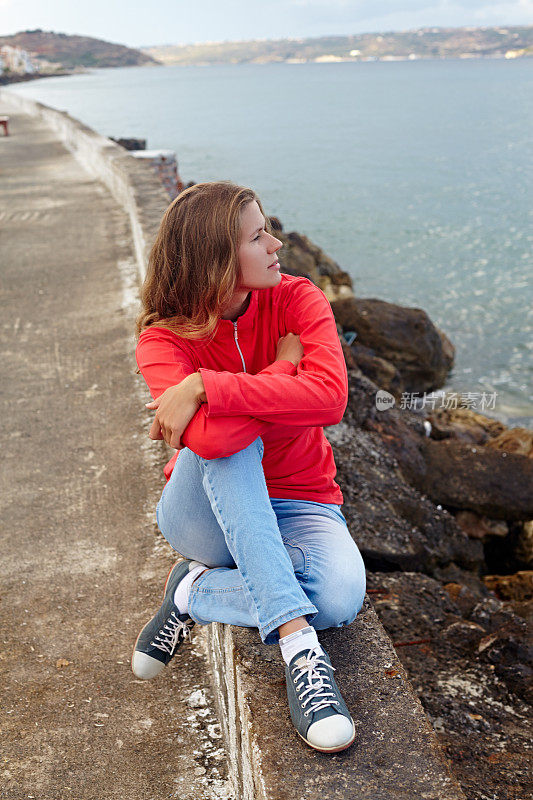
[(246, 366)]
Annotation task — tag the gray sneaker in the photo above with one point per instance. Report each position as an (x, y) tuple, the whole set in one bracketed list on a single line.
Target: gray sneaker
[(162, 635), (317, 709)]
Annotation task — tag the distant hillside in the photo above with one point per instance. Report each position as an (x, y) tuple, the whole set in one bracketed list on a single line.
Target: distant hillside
[(510, 42), (75, 51)]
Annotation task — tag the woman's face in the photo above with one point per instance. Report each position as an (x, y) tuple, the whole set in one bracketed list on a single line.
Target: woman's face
[(258, 263)]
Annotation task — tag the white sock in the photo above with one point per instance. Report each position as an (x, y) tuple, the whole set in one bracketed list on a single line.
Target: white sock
[(181, 595), (304, 639)]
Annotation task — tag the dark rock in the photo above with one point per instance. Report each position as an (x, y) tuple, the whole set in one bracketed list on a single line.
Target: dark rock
[(275, 224), (406, 337), (297, 243), (403, 439), (464, 424), (361, 400), (401, 431), (464, 597), (507, 648), (393, 524), (379, 370), (391, 498), (523, 609), (511, 587), (291, 269), (491, 613), (472, 583), (348, 355), (472, 686), (514, 440), (131, 144), (296, 257), (448, 349), (487, 481), (429, 606), (503, 554), (480, 527), (524, 543), (463, 635)]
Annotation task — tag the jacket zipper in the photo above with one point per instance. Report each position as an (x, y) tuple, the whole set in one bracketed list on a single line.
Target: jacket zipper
[(237, 343)]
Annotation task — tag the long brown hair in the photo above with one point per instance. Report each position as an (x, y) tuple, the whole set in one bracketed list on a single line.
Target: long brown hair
[(193, 269)]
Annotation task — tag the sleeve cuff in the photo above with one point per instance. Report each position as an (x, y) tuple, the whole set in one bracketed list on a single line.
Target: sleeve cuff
[(211, 391)]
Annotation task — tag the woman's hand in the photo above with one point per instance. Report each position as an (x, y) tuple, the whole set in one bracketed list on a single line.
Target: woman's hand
[(290, 349), (174, 410)]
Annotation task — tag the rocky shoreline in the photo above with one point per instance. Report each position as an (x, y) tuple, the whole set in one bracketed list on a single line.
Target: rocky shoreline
[(440, 502), (6, 80)]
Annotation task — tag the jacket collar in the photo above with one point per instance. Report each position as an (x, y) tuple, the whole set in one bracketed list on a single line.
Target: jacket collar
[(245, 321)]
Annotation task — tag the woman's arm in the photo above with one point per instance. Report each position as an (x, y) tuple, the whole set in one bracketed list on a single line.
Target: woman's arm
[(316, 395), (178, 404), (168, 371)]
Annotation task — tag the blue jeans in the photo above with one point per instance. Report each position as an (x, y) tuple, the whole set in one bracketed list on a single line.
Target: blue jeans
[(271, 560)]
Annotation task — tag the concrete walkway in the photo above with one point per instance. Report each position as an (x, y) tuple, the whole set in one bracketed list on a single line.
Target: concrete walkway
[(82, 564)]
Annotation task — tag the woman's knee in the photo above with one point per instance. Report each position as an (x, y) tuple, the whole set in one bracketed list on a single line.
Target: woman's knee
[(168, 526), (195, 542), (191, 528), (341, 594)]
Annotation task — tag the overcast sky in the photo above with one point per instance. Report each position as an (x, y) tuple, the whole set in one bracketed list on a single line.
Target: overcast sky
[(135, 23)]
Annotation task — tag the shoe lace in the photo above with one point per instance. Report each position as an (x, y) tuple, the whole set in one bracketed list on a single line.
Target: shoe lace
[(168, 637), (314, 669)]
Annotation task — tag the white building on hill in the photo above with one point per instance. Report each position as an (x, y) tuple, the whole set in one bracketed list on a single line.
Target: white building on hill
[(14, 59)]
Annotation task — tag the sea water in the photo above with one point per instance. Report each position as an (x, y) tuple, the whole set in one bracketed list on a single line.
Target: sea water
[(415, 176)]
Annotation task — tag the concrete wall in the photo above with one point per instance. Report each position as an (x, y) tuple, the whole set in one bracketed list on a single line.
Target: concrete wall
[(131, 181)]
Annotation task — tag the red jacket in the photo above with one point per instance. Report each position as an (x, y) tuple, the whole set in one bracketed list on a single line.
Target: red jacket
[(249, 394)]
